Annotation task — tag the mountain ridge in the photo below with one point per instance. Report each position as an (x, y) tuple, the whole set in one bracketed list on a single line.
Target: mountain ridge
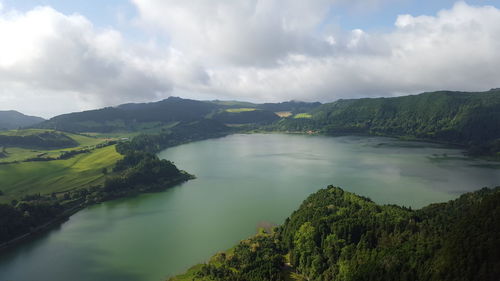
[(12, 119)]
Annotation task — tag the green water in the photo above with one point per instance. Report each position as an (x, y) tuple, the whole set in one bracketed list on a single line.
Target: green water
[(242, 181)]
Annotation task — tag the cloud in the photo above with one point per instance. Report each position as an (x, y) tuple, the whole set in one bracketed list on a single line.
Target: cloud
[(238, 32), (271, 50), (58, 56)]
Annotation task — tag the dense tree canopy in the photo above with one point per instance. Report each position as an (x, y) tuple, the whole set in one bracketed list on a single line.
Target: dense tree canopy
[(337, 235), (468, 119)]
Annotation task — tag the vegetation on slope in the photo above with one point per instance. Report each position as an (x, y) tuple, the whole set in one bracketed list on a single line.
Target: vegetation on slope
[(336, 235), (131, 117), (35, 195), (43, 145), (182, 133), (47, 139), (468, 119), (82, 183), (82, 170), (13, 120), (156, 116)]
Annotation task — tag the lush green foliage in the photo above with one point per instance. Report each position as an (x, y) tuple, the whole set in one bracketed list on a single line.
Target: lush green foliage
[(80, 171), (25, 217), (85, 181), (141, 172), (255, 259), (469, 119), (49, 139), (131, 117), (153, 117), (182, 133), (43, 140), (337, 235)]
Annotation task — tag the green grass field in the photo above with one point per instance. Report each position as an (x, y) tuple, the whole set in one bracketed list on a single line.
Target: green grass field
[(83, 170), (21, 153), (302, 115), (238, 110), (144, 128), (81, 139)]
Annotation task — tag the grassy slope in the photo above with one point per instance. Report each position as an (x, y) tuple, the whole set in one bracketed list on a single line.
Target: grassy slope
[(302, 115), (21, 153), (237, 110), (82, 140), (80, 171)]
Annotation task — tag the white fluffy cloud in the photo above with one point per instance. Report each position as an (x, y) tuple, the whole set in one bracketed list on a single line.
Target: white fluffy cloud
[(63, 61), (271, 50)]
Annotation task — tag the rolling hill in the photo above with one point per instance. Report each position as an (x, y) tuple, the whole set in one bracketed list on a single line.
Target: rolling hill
[(13, 119), (338, 235), (162, 115), (131, 117), (463, 118)]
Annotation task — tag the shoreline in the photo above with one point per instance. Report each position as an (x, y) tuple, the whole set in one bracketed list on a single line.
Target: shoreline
[(68, 213), (80, 205)]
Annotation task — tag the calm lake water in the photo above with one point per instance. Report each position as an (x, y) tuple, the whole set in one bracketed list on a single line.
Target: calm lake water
[(242, 181)]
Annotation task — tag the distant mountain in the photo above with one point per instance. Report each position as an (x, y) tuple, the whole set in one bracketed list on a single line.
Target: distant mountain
[(165, 113), (468, 119), (131, 117), (13, 119)]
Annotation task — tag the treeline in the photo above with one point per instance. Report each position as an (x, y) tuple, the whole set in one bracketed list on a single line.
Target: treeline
[(43, 140), (138, 116), (137, 172), (131, 117), (468, 119), (337, 235), (182, 133), (140, 172), (25, 217)]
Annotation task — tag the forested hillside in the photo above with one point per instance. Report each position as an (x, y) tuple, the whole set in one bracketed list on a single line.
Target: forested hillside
[(469, 119), (131, 117), (337, 235), (45, 139), (12, 120), (156, 117), (70, 185)]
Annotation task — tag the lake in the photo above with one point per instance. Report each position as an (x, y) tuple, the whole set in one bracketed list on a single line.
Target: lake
[(242, 181)]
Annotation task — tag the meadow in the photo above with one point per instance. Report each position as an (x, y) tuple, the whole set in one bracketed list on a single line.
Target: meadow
[(302, 115), (13, 154), (82, 170), (238, 110)]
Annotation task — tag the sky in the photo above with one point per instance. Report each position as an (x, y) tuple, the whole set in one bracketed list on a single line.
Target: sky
[(59, 56)]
